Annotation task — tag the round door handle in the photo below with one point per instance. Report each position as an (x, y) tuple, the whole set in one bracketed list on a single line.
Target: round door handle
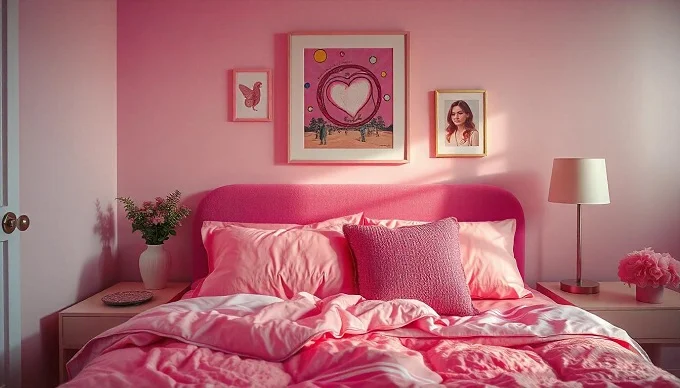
[(10, 222), (24, 222)]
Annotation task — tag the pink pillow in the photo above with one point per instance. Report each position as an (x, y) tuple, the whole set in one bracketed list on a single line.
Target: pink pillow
[(414, 262), (336, 222), (209, 227), (278, 262), (487, 254)]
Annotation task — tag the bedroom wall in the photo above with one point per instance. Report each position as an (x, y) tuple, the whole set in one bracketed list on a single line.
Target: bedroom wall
[(68, 162), (592, 79)]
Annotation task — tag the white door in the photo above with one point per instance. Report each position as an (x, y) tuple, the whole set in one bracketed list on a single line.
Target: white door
[(11, 221)]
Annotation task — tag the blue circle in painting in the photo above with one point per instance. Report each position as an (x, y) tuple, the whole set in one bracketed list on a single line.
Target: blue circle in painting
[(307, 85)]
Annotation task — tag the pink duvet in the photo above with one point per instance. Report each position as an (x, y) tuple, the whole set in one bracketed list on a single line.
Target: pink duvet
[(344, 340)]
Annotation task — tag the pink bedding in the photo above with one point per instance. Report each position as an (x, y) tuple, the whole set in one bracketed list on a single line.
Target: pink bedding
[(536, 298), (254, 340)]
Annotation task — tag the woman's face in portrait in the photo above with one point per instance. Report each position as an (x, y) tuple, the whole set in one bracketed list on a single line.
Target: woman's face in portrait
[(458, 116)]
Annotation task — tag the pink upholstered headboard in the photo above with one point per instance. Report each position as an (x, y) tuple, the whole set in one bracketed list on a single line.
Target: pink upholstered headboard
[(303, 204)]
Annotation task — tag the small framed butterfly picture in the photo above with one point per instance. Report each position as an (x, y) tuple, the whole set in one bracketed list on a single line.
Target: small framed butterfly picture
[(252, 97)]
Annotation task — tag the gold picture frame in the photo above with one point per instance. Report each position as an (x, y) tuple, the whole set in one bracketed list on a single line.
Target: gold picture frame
[(460, 123)]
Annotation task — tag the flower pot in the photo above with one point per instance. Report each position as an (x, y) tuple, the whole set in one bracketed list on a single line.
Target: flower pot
[(154, 265), (649, 294)]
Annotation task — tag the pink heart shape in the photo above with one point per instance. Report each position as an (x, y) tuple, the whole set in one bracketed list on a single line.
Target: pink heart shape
[(350, 97)]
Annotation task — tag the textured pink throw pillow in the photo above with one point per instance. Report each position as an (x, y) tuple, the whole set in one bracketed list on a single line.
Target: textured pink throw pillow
[(419, 262)]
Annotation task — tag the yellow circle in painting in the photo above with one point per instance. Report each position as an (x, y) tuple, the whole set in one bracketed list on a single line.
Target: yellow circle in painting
[(320, 55), (383, 74)]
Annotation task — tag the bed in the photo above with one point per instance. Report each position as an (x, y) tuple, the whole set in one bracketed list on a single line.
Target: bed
[(265, 333)]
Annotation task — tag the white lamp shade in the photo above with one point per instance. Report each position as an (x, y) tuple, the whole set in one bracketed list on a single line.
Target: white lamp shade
[(579, 180)]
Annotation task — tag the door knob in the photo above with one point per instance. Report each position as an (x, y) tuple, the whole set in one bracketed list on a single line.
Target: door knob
[(11, 222), (24, 222)]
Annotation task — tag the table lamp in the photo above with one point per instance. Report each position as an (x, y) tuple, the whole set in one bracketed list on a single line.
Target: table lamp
[(579, 181)]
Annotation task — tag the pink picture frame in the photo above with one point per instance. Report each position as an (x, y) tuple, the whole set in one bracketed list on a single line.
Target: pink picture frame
[(348, 97), (251, 95)]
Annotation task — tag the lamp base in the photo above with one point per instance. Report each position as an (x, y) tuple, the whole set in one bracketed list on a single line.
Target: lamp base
[(573, 286)]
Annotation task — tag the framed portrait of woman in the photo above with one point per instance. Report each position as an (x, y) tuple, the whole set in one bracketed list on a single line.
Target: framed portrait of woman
[(460, 123)]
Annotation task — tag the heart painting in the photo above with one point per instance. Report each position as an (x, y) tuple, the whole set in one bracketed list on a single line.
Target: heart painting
[(348, 98)]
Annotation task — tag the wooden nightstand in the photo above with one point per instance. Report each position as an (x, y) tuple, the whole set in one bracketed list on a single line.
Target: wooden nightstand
[(91, 317), (649, 324)]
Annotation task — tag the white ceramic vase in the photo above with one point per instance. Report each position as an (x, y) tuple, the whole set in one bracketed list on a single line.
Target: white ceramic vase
[(154, 265)]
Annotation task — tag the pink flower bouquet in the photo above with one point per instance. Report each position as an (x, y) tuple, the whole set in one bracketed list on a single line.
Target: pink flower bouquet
[(156, 220), (648, 268)]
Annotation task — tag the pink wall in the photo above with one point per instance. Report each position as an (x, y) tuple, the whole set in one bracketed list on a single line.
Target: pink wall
[(594, 78), (68, 162)]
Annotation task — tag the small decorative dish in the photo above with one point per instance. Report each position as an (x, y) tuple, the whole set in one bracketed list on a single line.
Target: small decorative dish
[(127, 298)]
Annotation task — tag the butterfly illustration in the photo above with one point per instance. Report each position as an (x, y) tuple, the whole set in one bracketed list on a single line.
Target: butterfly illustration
[(252, 95)]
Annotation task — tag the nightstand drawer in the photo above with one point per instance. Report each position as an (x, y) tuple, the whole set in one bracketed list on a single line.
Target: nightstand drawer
[(645, 324), (76, 331)]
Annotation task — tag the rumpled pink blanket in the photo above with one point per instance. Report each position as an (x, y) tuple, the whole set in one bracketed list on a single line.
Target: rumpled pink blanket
[(344, 340)]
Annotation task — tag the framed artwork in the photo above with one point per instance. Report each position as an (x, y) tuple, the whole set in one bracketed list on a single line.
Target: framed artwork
[(252, 95), (348, 98), (460, 123)]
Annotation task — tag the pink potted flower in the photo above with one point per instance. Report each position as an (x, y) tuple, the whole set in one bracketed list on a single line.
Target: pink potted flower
[(650, 272), (156, 220)]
